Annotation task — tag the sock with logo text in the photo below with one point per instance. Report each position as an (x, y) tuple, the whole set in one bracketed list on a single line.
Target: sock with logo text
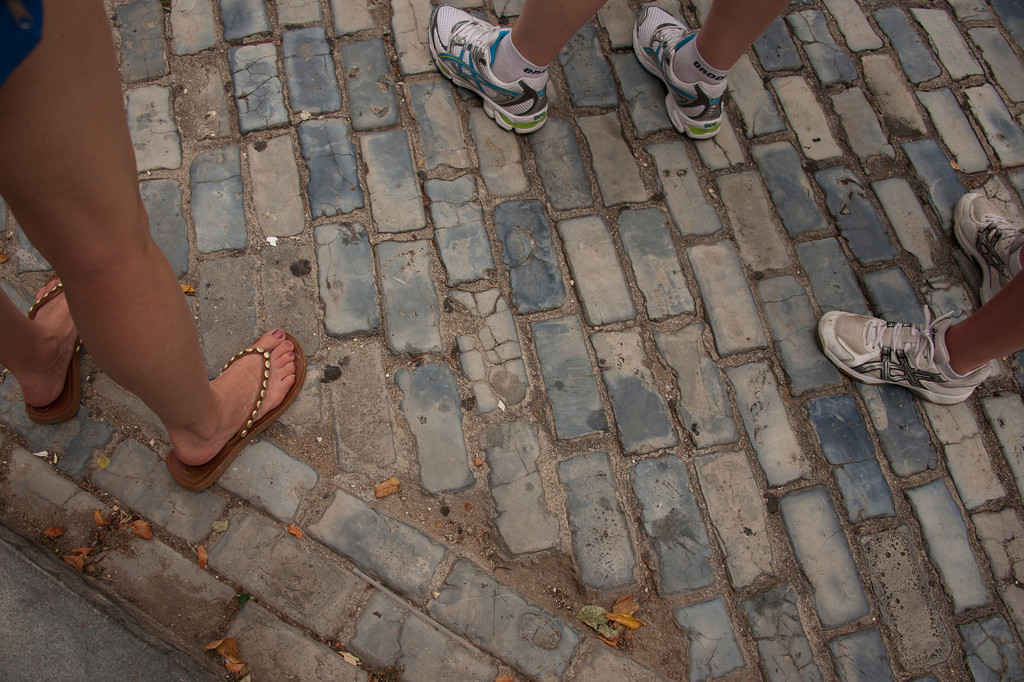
[(510, 66), (689, 67)]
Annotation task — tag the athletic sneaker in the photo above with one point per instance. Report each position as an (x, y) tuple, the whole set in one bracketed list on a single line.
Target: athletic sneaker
[(989, 238), (463, 48), (909, 355), (694, 108)]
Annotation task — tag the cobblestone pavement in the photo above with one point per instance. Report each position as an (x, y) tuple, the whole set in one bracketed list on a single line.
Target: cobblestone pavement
[(588, 355)]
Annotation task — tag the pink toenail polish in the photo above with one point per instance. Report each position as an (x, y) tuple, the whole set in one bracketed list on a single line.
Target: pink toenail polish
[(278, 334)]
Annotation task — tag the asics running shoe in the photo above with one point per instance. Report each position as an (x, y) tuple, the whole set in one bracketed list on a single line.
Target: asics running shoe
[(909, 355), (464, 48), (694, 108), (989, 238)]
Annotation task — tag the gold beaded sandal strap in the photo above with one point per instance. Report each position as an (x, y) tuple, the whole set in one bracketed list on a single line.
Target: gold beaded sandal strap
[(255, 350), (51, 293)]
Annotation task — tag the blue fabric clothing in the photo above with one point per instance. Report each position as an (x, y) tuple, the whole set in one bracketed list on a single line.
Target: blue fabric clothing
[(21, 27)]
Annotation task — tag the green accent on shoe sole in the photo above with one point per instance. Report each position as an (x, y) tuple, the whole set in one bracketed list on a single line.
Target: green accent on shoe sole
[(524, 125)]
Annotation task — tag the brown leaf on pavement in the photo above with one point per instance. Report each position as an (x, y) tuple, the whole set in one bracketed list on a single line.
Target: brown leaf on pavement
[(188, 289), (3, 257), (100, 519), (77, 561), (505, 678), (625, 605), (201, 553), (55, 532), (227, 648), (82, 551), (388, 487), (629, 621), (142, 530), (295, 530)]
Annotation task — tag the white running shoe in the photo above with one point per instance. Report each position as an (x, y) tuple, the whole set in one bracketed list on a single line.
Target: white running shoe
[(989, 238)]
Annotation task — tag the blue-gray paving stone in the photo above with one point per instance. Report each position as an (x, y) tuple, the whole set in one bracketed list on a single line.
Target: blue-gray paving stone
[(991, 651), (412, 317), (757, 108), (829, 62), (789, 188), (216, 181), (713, 650), (402, 556), (901, 431), (948, 544), (162, 199), (504, 623), (433, 410), (861, 656), (781, 641), (560, 165), (391, 182), (865, 491), (840, 429), (440, 137), (861, 125), (856, 217), (1001, 59), (462, 240), (333, 186), (309, 70), (597, 272), (672, 522), (345, 265), (948, 42), (243, 18), (370, 85), (1011, 14), (568, 377), (644, 95), (775, 48), (601, 543), (794, 325), (833, 282), (684, 196), (955, 129), (270, 478), (727, 298), (824, 556), (193, 26), (906, 216), (915, 57), (587, 72), (938, 175), (534, 274), (648, 244), (998, 124), (614, 165), (259, 95), (892, 296), (143, 52)]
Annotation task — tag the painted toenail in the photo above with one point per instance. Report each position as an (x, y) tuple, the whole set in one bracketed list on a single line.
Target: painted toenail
[(278, 334)]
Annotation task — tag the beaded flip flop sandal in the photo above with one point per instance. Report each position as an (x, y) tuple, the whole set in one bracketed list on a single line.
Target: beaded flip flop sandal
[(65, 406), (200, 477)]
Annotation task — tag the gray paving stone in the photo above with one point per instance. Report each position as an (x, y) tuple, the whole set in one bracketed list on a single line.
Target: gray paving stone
[(648, 245), (369, 84), (309, 70), (713, 650), (295, 12), (333, 171), (1001, 534), (492, 356), (192, 26), (692, 213), (270, 647), (914, 57), (759, 242), (947, 543), (433, 410), (522, 516), (727, 298), (673, 525), (504, 623), (347, 290), (618, 177), (500, 159), (441, 138), (775, 625), (151, 125), (465, 250), (791, 192), (602, 547), (855, 216), (757, 108), (893, 296), (861, 656), (937, 174), (723, 150), (227, 311), (534, 274), (395, 194), (143, 53), (640, 412), (617, 18), (966, 457), (853, 25), (258, 92), (602, 662), (560, 165), (908, 221), (270, 478), (764, 415), (998, 124), (361, 408), (587, 72), (274, 182), (1004, 64), (40, 492), (1012, 17), (806, 118), (971, 9), (202, 104), (703, 405), (162, 199), (642, 92), (901, 431), (861, 125), (912, 618), (775, 49), (351, 16), (737, 514), (289, 293), (948, 43), (139, 479), (991, 651), (596, 269), (824, 556), (399, 554), (793, 327), (892, 96), (831, 65), (568, 377), (411, 314), (216, 180), (1006, 416), (243, 18), (409, 24)]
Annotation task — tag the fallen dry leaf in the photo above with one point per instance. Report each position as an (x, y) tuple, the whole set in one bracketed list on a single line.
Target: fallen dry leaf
[(3, 257), (188, 289), (469, 506), (102, 461), (219, 526), (227, 648), (626, 605), (82, 550), (142, 530), (505, 678), (294, 530), (388, 487), (201, 554), (75, 560), (234, 667), (100, 519), (55, 532), (478, 461), (609, 642), (349, 658), (629, 621)]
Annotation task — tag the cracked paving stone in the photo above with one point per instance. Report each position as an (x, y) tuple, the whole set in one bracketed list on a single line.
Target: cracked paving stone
[(333, 186), (534, 274), (347, 291), (713, 650), (258, 92), (781, 641), (217, 211), (412, 317), (492, 357), (861, 656)]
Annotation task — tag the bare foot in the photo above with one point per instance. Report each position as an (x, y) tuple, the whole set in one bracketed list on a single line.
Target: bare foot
[(235, 392), (42, 379)]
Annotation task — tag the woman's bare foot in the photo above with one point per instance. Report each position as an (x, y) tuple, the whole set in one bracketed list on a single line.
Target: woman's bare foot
[(235, 392), (42, 379)]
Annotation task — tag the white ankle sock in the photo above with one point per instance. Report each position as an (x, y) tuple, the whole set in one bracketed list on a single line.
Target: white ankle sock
[(690, 67), (510, 66)]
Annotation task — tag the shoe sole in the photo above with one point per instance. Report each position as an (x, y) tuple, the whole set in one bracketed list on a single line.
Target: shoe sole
[(962, 213)]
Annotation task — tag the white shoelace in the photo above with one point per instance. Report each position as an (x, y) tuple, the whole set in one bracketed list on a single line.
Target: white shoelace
[(918, 342), (474, 35)]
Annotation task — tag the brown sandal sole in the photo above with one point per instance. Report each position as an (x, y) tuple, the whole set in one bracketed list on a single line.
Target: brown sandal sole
[(65, 406)]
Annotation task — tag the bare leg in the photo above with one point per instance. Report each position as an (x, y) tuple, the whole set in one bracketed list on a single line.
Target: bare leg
[(731, 28), (994, 331), (69, 176), (545, 26)]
